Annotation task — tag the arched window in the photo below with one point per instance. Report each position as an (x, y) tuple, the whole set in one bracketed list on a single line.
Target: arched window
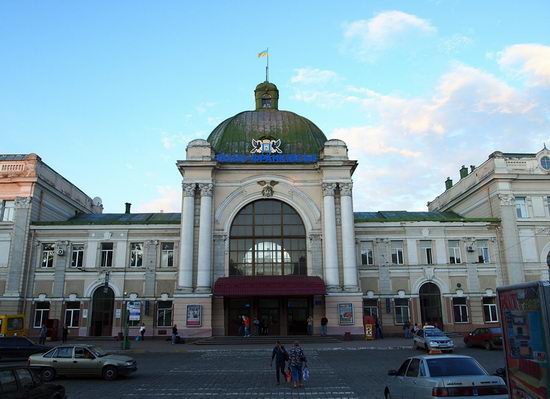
[(266, 101), (267, 238)]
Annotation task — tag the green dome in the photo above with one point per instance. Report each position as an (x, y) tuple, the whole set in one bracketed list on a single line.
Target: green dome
[(298, 135)]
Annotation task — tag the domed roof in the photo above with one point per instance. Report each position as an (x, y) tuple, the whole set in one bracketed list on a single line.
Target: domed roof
[(298, 135)]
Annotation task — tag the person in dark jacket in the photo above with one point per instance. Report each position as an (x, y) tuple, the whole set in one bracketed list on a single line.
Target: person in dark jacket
[(281, 356), (65, 333), (174, 334), (43, 334)]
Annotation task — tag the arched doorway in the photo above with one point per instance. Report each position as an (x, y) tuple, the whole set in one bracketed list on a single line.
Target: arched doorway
[(430, 305), (103, 302)]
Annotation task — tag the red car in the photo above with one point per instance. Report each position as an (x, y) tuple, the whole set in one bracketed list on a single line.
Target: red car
[(488, 338)]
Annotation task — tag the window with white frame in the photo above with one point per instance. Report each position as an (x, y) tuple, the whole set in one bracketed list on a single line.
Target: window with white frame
[(47, 255), (77, 255), (106, 254), (41, 314), (136, 254), (490, 310), (167, 254), (460, 310), (401, 310), (164, 314), (483, 251), (521, 207), (367, 253), (370, 307), (397, 252), (548, 204), (6, 211), (426, 252), (72, 314), (454, 252)]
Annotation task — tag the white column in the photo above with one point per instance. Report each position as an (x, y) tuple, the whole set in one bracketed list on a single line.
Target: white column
[(185, 277), (349, 259), (331, 255), (205, 240)]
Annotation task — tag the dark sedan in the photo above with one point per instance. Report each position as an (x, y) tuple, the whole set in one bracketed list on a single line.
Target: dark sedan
[(488, 338), (17, 348), (20, 382)]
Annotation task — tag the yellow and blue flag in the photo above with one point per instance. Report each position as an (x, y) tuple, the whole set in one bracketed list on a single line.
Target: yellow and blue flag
[(263, 54)]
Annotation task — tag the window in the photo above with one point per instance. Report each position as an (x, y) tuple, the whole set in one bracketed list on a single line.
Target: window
[(47, 255), (426, 252), (77, 255), (164, 314), (548, 203), (7, 381), (454, 252), (483, 251), (370, 307), (545, 162), (106, 254), (397, 252), (460, 310), (83, 353), (445, 367), (490, 310), (367, 253), (521, 207), (6, 211), (167, 254), (412, 371), (72, 314), (266, 102), (136, 254), (41, 313), (64, 352), (548, 259), (401, 311), (403, 368)]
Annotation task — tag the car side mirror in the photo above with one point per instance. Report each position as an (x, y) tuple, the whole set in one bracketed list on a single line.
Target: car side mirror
[(392, 372)]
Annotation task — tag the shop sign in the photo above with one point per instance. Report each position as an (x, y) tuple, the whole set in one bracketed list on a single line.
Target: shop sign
[(134, 310), (266, 150), (345, 314), (194, 316)]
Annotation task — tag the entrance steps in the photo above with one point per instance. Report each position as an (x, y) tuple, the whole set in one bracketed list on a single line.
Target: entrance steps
[(267, 340)]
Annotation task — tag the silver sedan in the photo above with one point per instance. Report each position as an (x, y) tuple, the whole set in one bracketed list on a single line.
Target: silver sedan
[(423, 377)]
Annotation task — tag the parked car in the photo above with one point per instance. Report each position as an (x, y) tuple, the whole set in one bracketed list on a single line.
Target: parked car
[(429, 376), (488, 338), (81, 360), (14, 348), (430, 338), (21, 382)]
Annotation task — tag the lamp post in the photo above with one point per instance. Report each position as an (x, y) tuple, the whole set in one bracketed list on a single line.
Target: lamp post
[(125, 338)]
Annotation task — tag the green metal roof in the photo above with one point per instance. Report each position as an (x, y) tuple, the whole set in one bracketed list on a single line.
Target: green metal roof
[(117, 218), (405, 216)]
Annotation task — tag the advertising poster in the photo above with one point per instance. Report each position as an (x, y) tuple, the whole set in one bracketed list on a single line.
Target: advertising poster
[(134, 310), (523, 330), (194, 315), (345, 314)]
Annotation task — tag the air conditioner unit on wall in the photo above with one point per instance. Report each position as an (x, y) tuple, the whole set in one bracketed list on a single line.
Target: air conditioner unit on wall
[(470, 248), (60, 251)]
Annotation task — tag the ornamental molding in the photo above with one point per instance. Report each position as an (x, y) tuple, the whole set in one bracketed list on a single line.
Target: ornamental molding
[(328, 189), (188, 189), (206, 189), (267, 190), (506, 199), (23, 202), (346, 188)]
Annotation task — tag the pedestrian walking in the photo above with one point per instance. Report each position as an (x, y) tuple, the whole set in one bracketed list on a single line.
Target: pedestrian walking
[(378, 329), (297, 359), (65, 333), (415, 328), (142, 331), (310, 325), (174, 334), (246, 323), (256, 324), (43, 334), (281, 356), (407, 329), (324, 322)]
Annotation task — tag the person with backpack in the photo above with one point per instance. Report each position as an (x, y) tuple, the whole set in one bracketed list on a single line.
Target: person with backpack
[(297, 359), (281, 356)]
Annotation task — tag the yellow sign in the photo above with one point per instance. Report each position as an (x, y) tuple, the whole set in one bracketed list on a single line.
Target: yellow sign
[(369, 332)]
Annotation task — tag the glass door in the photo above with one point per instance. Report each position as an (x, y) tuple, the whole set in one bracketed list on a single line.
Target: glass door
[(297, 313)]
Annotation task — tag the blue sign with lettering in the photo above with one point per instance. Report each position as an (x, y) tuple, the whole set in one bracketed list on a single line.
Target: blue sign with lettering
[(266, 158)]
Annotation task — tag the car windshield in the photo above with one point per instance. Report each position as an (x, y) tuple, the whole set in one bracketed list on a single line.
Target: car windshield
[(97, 351), (451, 366), (433, 332), (495, 330)]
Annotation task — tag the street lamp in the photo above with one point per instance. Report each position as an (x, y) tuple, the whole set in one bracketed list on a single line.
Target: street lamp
[(125, 338)]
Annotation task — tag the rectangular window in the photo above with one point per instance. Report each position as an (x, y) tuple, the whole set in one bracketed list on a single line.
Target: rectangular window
[(548, 203), (397, 252), (460, 310), (106, 254), (367, 253), (47, 255), (483, 251), (72, 314), (167, 254), (370, 307), (401, 310), (136, 254), (454, 252), (6, 211), (164, 314), (490, 310), (426, 252), (41, 314), (77, 255), (521, 207)]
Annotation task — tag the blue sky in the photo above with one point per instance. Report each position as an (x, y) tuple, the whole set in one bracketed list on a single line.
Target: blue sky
[(109, 93)]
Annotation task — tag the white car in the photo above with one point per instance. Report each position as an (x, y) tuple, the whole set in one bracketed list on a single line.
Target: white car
[(430, 338), (427, 376)]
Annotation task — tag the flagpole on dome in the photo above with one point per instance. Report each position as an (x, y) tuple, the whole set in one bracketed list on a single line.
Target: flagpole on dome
[(267, 66)]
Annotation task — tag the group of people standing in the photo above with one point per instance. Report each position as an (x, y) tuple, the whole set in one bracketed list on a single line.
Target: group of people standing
[(297, 364)]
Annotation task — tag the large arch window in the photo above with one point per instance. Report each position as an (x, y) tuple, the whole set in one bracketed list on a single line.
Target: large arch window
[(267, 238)]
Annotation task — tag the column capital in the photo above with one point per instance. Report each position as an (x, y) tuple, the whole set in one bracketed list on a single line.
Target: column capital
[(188, 189), (507, 199), (206, 189), (345, 188), (328, 189)]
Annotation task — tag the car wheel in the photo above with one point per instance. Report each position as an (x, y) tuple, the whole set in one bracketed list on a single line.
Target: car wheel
[(387, 393), (488, 345), (110, 373), (47, 374), (468, 344)]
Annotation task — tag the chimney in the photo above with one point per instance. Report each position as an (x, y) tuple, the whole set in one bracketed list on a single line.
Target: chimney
[(448, 183), (128, 205), (463, 172), (472, 168)]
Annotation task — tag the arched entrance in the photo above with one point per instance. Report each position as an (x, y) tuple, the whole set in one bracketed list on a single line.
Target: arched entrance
[(103, 302), (430, 305)]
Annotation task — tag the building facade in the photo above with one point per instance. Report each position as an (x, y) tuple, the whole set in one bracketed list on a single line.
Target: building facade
[(268, 230)]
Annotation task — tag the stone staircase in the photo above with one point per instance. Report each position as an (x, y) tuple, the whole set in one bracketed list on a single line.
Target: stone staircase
[(267, 340)]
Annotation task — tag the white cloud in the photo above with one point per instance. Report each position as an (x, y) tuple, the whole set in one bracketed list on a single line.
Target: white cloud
[(531, 61), (168, 200), (312, 76), (173, 140), (454, 43)]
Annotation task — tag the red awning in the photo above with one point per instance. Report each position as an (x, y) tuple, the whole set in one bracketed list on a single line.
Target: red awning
[(269, 286)]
